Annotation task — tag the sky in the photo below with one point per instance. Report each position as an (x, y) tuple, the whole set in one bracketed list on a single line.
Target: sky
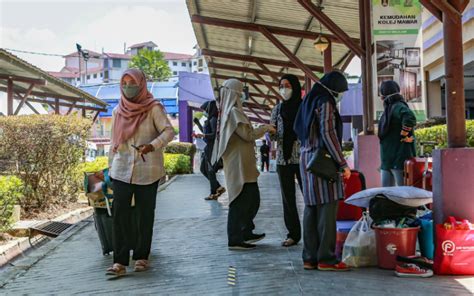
[(54, 27)]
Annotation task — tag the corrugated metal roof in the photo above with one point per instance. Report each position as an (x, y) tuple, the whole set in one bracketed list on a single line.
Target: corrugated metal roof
[(13, 65), (284, 14)]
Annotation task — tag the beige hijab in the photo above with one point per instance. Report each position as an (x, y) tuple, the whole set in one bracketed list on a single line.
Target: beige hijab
[(231, 114)]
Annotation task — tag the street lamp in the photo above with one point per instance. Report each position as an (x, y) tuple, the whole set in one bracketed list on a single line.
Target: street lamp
[(79, 50), (85, 55), (321, 43)]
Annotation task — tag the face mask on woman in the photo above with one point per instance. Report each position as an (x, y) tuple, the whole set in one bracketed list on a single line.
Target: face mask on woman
[(130, 91), (286, 93)]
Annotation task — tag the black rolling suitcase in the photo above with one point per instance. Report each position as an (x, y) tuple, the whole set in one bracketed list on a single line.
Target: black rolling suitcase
[(104, 226)]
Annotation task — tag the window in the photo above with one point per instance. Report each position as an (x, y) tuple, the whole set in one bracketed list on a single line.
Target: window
[(95, 75), (116, 63), (190, 64), (183, 64), (88, 77), (194, 63), (101, 74), (200, 63), (77, 79), (175, 63), (175, 73)]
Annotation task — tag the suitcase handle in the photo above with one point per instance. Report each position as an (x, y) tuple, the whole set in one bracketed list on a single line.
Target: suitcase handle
[(428, 144)]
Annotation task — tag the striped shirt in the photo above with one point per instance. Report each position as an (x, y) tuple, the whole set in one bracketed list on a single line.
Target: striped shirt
[(318, 191), (127, 166)]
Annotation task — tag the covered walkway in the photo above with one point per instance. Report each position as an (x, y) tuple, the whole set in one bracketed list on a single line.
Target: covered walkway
[(190, 256)]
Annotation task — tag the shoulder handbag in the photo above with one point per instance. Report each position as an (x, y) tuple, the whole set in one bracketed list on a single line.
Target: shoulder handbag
[(323, 165)]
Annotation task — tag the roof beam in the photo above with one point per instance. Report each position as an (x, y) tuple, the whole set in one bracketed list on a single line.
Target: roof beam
[(447, 9), (268, 72), (257, 28), (258, 95), (347, 62), (288, 53), (46, 94), (23, 79), (49, 102), (342, 36), (268, 85), (247, 70), (252, 59), (433, 9), (255, 101), (23, 99), (245, 80), (266, 96)]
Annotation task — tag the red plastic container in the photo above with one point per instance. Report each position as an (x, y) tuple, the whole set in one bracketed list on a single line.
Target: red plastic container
[(392, 242)]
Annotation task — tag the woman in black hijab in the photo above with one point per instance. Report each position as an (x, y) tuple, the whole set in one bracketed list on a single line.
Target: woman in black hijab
[(395, 133), (318, 124), (288, 154), (209, 130)]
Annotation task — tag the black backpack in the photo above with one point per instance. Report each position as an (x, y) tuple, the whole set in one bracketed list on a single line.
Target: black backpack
[(381, 208)]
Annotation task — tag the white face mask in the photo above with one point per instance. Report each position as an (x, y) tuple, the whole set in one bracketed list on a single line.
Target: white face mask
[(286, 93)]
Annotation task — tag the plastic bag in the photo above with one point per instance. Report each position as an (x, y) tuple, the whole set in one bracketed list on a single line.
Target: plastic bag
[(360, 249)]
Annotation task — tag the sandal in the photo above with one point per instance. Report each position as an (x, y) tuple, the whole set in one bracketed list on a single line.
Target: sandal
[(116, 270), (289, 242), (141, 265), (212, 197), (221, 190)]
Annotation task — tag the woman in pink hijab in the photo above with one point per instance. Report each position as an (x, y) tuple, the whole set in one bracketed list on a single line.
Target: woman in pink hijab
[(140, 130)]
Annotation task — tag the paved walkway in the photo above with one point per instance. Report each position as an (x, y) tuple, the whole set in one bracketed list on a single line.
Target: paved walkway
[(190, 256)]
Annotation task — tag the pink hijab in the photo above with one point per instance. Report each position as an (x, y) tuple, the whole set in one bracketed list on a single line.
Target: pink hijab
[(131, 112)]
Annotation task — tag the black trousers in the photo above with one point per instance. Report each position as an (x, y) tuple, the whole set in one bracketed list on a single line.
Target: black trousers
[(319, 230), (286, 175), (123, 233), (242, 211), (265, 163), (209, 173)]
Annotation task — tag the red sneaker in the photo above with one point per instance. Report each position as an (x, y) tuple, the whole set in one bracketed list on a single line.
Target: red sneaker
[(309, 266), (333, 267), (412, 270)]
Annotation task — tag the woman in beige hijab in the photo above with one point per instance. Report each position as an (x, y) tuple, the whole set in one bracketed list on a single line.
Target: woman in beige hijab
[(235, 144)]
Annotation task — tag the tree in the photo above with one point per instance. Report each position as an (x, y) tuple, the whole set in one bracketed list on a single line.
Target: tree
[(151, 62)]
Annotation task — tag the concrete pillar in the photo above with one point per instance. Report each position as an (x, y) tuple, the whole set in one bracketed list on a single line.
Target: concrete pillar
[(453, 186), (367, 158)]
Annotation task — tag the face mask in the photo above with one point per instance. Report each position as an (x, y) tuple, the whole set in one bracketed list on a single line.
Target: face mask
[(130, 91), (286, 93), (338, 98), (387, 97)]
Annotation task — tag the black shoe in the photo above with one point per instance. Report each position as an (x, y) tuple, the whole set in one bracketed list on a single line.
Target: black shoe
[(254, 237), (242, 246)]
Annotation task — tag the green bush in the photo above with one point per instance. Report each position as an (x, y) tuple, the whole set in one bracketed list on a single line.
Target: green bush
[(10, 194), (100, 163), (181, 148), (434, 121), (46, 150), (188, 149), (439, 135), (176, 164)]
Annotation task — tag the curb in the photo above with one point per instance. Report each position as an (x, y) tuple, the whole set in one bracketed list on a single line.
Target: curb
[(23, 265), (19, 246)]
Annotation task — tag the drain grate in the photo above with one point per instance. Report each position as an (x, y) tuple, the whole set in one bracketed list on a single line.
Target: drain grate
[(51, 229)]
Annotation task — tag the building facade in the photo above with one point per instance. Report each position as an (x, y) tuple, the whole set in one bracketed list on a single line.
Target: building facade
[(108, 67), (433, 62)]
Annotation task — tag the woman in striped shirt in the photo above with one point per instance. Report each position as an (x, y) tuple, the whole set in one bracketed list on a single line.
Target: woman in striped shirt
[(318, 124)]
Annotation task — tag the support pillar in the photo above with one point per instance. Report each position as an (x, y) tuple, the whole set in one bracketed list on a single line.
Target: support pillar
[(185, 122), (10, 97), (453, 168), (454, 69)]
